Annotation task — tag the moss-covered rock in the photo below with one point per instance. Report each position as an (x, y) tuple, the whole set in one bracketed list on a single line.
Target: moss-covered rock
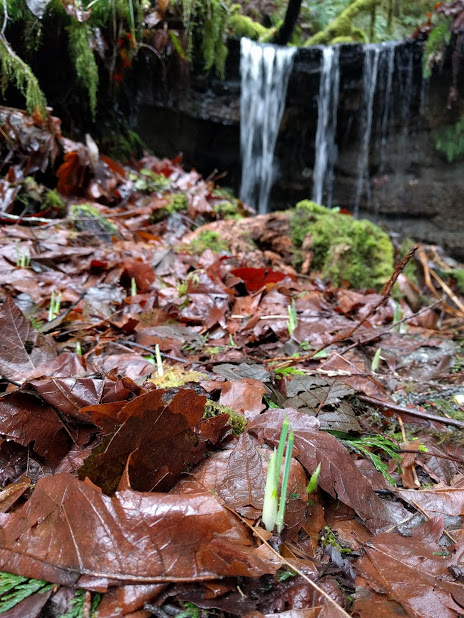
[(344, 249), (86, 218)]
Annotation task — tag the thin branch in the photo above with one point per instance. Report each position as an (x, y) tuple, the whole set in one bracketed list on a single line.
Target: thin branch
[(320, 590), (378, 403), (386, 292), (5, 17)]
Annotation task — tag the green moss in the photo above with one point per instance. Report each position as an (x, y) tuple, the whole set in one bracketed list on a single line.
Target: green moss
[(53, 200), (84, 59), (449, 140), (227, 210), (14, 69), (147, 181), (207, 239), (344, 249), (176, 202), (342, 26), (215, 17), (87, 218), (342, 39), (241, 25), (439, 37), (237, 421)]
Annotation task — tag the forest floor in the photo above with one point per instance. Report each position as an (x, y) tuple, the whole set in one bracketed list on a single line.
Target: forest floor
[(147, 371)]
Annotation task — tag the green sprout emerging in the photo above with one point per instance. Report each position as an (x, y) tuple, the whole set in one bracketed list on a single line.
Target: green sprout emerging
[(22, 259), (133, 287), (274, 510), (292, 318), (55, 305), (314, 480), (159, 361)]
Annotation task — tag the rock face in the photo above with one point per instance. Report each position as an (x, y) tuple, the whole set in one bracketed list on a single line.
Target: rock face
[(407, 184)]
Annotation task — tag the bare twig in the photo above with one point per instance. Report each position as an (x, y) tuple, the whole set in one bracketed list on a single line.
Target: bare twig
[(411, 411), (386, 292), (445, 532), (5, 17), (256, 531), (393, 325)]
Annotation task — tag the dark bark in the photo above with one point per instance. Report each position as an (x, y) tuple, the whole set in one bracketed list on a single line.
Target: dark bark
[(284, 33)]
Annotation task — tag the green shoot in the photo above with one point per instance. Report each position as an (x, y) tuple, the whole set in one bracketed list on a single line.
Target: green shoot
[(280, 450), (292, 318), (270, 496), (55, 305), (232, 342), (133, 287), (397, 316), (376, 360), (159, 361), (283, 491), (269, 402), (15, 588), (314, 480), (22, 259), (283, 574), (272, 515), (78, 348)]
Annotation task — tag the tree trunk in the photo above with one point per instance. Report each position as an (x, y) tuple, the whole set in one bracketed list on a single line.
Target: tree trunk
[(285, 32)]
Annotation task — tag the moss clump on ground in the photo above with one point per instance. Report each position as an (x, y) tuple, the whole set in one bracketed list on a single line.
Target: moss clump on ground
[(175, 202), (86, 218), (227, 210), (207, 239), (237, 421), (344, 249), (54, 201)]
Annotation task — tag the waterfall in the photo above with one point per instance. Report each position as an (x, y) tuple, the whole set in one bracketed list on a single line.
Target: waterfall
[(326, 147), (387, 66), (265, 70), (370, 71)]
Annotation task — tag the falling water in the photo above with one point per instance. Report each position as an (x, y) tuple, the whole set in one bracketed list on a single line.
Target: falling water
[(370, 71), (265, 70), (327, 104), (387, 62)]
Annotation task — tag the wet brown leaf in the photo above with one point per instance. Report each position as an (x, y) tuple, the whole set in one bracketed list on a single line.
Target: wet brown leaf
[(244, 396), (243, 485), (157, 434), (414, 571), (68, 527), (24, 418)]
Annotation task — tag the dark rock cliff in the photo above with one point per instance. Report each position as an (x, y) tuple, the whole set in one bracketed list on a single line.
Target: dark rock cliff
[(410, 185)]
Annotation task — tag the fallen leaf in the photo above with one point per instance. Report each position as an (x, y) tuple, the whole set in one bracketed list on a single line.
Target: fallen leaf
[(157, 434), (414, 571), (68, 527)]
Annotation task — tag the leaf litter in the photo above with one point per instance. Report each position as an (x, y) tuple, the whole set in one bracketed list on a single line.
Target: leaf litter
[(143, 480)]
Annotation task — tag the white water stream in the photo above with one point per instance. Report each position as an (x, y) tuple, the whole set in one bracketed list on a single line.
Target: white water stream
[(265, 70), (326, 146), (370, 72)]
